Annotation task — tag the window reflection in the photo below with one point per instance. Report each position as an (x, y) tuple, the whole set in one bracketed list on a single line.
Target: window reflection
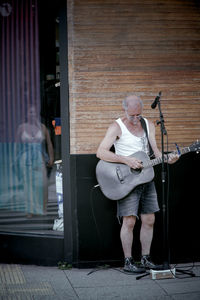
[(35, 155), (30, 129)]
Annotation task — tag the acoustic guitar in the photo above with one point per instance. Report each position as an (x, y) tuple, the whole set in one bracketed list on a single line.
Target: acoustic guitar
[(117, 180)]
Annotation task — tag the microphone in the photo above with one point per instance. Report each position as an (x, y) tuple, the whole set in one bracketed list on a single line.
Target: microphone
[(155, 102)]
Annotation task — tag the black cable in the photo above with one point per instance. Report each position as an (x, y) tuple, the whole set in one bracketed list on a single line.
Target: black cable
[(106, 267), (94, 218), (185, 270)]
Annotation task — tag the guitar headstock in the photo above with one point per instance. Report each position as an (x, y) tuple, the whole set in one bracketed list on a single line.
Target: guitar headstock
[(195, 147)]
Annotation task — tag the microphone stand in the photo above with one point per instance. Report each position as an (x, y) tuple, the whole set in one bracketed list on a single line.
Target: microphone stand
[(165, 216), (166, 265)]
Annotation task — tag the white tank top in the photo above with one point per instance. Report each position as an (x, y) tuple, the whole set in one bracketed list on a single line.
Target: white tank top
[(128, 143)]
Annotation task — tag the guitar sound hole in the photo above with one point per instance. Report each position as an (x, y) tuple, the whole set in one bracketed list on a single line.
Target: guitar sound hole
[(136, 171)]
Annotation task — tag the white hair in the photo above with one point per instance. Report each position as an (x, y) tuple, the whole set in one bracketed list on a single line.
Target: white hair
[(125, 104)]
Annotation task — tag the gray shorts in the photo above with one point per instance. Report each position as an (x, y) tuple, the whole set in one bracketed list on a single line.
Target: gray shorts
[(142, 200)]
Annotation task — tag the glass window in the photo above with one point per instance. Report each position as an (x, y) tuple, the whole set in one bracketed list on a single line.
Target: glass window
[(30, 125)]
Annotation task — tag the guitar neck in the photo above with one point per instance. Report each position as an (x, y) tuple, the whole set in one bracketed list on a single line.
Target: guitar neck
[(158, 160)]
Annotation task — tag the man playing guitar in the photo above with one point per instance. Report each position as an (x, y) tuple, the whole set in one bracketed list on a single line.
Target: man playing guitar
[(128, 137)]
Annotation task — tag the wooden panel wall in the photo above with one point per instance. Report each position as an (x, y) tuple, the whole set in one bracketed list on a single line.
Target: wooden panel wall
[(132, 46)]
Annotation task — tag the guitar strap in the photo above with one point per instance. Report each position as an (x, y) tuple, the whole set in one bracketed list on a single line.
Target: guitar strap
[(144, 126)]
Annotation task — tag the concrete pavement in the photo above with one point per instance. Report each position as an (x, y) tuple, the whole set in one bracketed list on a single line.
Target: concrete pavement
[(38, 282)]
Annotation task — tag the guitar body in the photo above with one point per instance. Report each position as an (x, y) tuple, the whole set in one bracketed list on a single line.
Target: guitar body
[(117, 180)]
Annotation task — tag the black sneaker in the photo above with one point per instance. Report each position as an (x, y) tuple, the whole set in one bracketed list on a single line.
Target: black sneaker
[(131, 267), (147, 263)]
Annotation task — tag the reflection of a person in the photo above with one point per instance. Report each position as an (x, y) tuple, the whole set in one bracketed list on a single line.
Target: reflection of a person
[(35, 154)]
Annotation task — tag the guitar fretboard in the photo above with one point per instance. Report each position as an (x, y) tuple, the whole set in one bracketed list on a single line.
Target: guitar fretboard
[(158, 160)]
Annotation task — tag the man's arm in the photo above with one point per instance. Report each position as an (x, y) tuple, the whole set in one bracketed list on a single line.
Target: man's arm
[(104, 153)]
